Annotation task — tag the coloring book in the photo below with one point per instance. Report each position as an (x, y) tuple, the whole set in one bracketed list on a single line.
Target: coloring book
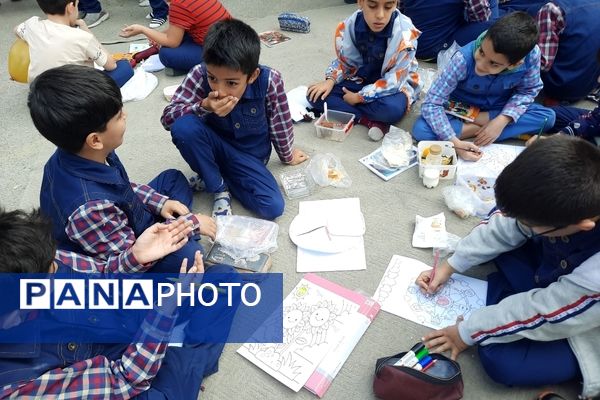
[(398, 294), (322, 323), (461, 110)]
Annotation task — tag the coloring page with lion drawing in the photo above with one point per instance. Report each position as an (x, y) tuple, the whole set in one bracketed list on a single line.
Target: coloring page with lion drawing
[(315, 315), (398, 294)]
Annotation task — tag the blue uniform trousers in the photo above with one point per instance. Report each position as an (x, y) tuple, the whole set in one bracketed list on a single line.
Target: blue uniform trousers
[(524, 362), (388, 109), (173, 184), (565, 115), (89, 6), (219, 162), (530, 122), (122, 73), (183, 57), (183, 368), (160, 9)]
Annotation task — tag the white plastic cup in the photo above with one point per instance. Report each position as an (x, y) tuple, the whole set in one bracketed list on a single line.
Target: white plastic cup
[(431, 177)]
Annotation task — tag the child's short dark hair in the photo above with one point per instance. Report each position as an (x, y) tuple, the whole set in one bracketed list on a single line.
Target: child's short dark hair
[(514, 35), (555, 182), (26, 242), (232, 43), (54, 7), (68, 103)]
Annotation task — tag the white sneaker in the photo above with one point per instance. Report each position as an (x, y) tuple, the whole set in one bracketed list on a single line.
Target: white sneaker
[(144, 3), (375, 134), (95, 19), (156, 22)]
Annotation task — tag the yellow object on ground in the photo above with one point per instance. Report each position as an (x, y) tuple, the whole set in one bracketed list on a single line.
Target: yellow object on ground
[(18, 61)]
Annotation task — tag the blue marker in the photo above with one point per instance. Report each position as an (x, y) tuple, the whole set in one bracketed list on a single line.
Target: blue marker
[(426, 361)]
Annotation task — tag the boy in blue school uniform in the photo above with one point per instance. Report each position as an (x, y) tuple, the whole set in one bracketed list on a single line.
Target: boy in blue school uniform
[(569, 40), (224, 118), (94, 208), (499, 73), (541, 325), (443, 22), (147, 368), (375, 73)]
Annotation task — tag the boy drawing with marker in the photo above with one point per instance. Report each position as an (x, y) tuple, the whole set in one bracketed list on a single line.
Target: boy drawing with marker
[(147, 368), (542, 304)]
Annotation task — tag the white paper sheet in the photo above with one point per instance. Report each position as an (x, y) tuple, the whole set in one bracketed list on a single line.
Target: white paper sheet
[(342, 217), (398, 294), (494, 159)]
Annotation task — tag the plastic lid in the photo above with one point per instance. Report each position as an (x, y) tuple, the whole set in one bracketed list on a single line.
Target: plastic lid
[(435, 149)]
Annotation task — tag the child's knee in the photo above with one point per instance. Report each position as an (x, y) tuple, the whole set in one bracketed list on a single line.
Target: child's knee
[(271, 209), (185, 128), (422, 131), (498, 365)]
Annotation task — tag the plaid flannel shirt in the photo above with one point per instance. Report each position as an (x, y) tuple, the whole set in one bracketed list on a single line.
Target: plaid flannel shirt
[(102, 229), (188, 99), (551, 23), (99, 377), (476, 10)]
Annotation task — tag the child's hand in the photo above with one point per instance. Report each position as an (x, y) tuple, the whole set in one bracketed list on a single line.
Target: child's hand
[(160, 240), (208, 226), (221, 107), (352, 98), (320, 90), (131, 30), (532, 139), (81, 25), (442, 274), (489, 132), (447, 339), (187, 278), (173, 209), (466, 150), (298, 157)]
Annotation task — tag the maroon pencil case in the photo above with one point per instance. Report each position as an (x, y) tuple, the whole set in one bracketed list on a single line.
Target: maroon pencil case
[(443, 381)]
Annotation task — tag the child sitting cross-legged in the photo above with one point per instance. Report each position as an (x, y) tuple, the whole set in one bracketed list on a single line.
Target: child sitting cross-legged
[(144, 367), (94, 208), (541, 325), (62, 38), (500, 74), (375, 73)]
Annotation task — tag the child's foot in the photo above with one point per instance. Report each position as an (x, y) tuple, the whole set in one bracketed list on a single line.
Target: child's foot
[(222, 204), (196, 183), (377, 129)]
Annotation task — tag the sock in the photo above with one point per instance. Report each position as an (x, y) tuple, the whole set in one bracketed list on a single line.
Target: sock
[(222, 204)]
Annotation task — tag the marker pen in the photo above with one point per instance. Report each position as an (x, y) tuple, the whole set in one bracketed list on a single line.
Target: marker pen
[(431, 364), (410, 354), (417, 366), (425, 361), (422, 353)]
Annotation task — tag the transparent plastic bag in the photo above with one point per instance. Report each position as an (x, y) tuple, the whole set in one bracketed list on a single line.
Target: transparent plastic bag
[(246, 237), (327, 170), (427, 76), (464, 202), (397, 147), (444, 56)]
